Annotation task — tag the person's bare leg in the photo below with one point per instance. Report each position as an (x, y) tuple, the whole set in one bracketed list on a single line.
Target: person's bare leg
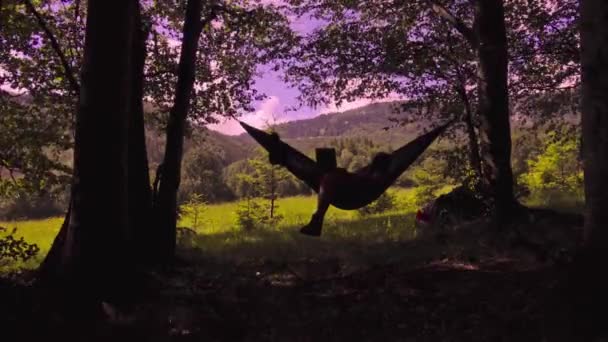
[(314, 227)]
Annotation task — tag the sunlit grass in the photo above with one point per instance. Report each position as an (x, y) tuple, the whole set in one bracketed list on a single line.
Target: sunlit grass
[(346, 235), (39, 232)]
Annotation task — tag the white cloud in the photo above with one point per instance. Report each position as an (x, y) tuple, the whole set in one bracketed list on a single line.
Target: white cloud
[(266, 114)]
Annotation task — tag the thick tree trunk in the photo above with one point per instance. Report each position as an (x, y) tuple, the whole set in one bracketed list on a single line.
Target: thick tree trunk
[(165, 206), (91, 252), (594, 58), (590, 286), (493, 106), (140, 194), (582, 299)]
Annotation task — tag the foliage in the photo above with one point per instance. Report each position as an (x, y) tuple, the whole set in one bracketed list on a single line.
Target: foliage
[(255, 177), (32, 149), (202, 174), (37, 109), (354, 152), (32, 205), (375, 48), (195, 207), (239, 36), (261, 191), (427, 52), (41, 50), (13, 249), (429, 177), (555, 175), (254, 213), (384, 203)]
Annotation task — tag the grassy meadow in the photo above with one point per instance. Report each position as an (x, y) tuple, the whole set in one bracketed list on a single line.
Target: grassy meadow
[(347, 235)]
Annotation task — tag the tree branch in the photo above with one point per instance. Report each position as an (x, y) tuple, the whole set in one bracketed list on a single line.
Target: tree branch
[(67, 69), (458, 24)]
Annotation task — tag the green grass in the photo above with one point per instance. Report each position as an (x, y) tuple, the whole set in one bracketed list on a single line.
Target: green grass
[(39, 232), (346, 235)]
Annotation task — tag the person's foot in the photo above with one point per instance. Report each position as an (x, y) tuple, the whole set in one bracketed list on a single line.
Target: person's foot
[(313, 228)]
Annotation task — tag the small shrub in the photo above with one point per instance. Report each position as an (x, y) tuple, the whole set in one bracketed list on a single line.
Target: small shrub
[(12, 249), (429, 178), (555, 177), (186, 237), (254, 213), (195, 207), (384, 203)]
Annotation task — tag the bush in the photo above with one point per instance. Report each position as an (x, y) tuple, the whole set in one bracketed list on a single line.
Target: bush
[(555, 176), (254, 213), (384, 203), (429, 178), (12, 249), (194, 208)]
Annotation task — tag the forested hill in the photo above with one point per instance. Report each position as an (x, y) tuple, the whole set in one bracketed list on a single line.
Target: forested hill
[(367, 121), (363, 120)]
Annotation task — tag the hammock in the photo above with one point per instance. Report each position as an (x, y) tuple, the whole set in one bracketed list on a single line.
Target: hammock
[(311, 173)]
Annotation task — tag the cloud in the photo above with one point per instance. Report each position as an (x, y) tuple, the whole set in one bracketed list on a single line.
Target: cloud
[(267, 113)]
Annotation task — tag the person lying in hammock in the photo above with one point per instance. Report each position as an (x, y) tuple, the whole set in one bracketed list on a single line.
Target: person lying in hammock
[(336, 186)]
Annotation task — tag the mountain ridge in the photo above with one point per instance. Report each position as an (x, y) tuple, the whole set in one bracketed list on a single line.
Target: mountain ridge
[(369, 121)]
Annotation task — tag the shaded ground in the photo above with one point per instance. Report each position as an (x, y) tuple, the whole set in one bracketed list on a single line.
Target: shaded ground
[(474, 287), (443, 301)]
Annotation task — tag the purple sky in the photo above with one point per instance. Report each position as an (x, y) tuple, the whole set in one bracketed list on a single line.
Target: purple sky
[(281, 97)]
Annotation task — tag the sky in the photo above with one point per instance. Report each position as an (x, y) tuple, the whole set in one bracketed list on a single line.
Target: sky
[(281, 97), (275, 109)]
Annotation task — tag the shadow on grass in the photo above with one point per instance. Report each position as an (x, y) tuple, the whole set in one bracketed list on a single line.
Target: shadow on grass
[(362, 241), (344, 248)]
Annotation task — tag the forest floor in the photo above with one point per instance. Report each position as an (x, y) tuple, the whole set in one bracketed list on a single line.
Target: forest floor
[(468, 287)]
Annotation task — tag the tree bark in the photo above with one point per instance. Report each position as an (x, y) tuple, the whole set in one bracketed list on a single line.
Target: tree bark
[(493, 106), (91, 253), (165, 206), (474, 157), (594, 59), (589, 290), (579, 304), (140, 194)]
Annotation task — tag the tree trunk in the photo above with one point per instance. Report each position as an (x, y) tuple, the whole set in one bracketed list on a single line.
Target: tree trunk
[(140, 195), (579, 304), (589, 290), (90, 255), (165, 206), (493, 106), (594, 58), (474, 157)]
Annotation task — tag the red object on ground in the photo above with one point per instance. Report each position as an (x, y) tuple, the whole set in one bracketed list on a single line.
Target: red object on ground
[(422, 216)]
